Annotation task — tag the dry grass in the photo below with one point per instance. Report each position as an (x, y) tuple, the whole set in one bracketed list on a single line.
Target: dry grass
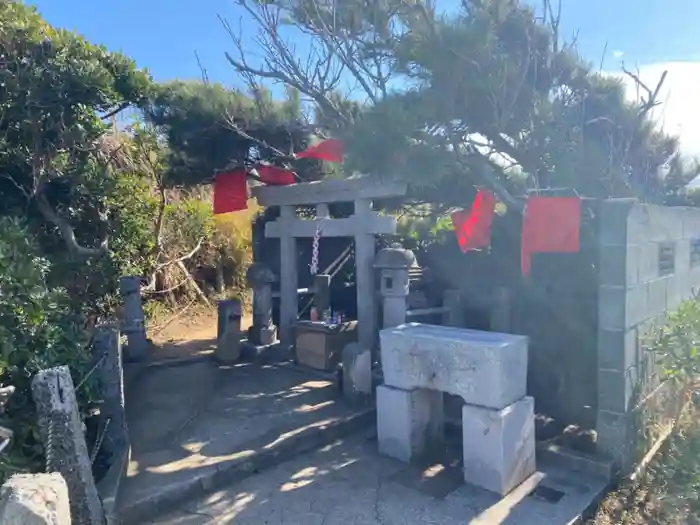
[(667, 493)]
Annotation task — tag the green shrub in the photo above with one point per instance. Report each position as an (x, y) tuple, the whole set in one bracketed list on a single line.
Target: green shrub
[(37, 331)]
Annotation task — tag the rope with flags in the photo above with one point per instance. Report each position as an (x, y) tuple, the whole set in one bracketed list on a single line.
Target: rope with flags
[(231, 186)]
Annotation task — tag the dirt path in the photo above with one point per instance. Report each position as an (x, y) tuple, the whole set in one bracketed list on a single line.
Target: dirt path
[(191, 333)]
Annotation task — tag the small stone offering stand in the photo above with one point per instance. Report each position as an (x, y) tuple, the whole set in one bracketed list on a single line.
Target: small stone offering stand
[(487, 370)]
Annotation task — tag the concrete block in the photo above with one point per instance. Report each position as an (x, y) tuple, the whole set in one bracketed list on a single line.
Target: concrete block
[(619, 265), (648, 262), (621, 308), (617, 349), (682, 256), (616, 437), (35, 499), (484, 368), (613, 222), (691, 223), (499, 445), (616, 388), (409, 422), (657, 296)]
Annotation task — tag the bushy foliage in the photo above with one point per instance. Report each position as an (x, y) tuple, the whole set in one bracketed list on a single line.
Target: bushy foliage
[(668, 491), (38, 330)]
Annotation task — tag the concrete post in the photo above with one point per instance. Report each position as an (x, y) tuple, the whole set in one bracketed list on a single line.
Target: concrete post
[(64, 442), (134, 319), (112, 411)]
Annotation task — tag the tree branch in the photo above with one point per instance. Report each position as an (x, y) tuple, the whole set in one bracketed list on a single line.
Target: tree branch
[(66, 230)]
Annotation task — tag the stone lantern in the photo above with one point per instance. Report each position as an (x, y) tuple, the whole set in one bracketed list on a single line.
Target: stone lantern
[(394, 264)]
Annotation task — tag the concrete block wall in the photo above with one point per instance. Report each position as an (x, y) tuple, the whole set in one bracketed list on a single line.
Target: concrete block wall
[(649, 263)]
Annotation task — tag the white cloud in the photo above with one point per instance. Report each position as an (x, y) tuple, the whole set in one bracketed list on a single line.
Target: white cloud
[(679, 112), (618, 54)]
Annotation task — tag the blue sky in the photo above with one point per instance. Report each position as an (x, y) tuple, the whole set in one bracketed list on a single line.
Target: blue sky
[(163, 36)]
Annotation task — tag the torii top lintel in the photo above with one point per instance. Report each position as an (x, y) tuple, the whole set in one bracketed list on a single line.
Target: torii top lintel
[(326, 191)]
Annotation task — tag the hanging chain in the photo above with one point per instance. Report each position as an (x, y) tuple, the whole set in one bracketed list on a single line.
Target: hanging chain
[(314, 252)]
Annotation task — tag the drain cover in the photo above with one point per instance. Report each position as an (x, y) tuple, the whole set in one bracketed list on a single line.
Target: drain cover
[(547, 494)]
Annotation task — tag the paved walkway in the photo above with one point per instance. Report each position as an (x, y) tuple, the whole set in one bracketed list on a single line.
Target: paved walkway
[(348, 483), (196, 426)]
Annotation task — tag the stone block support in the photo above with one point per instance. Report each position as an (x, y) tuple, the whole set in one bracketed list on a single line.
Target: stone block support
[(499, 445), (409, 422)]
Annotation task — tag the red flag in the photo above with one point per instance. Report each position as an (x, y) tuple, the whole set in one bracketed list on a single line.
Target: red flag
[(330, 150), (550, 225), (230, 191), (473, 229), (274, 175)]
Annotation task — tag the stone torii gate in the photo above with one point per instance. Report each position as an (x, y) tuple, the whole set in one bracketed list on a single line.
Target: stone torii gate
[(363, 225)]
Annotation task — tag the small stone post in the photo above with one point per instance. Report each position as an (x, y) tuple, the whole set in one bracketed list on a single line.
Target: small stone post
[(112, 414), (357, 373), (134, 319), (228, 344), (322, 294), (35, 499), (260, 279), (64, 442), (393, 264)]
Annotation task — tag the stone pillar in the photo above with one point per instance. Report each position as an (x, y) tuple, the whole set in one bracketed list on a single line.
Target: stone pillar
[(452, 300), (134, 325), (64, 442), (289, 301), (35, 499), (393, 264), (228, 343), (260, 279), (112, 414), (364, 278)]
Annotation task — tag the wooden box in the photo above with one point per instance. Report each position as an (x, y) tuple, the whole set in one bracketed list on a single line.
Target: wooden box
[(320, 346)]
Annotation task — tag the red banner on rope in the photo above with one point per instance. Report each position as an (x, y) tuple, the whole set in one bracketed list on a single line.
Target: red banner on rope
[(330, 150), (473, 229), (230, 191), (275, 176), (550, 225)]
